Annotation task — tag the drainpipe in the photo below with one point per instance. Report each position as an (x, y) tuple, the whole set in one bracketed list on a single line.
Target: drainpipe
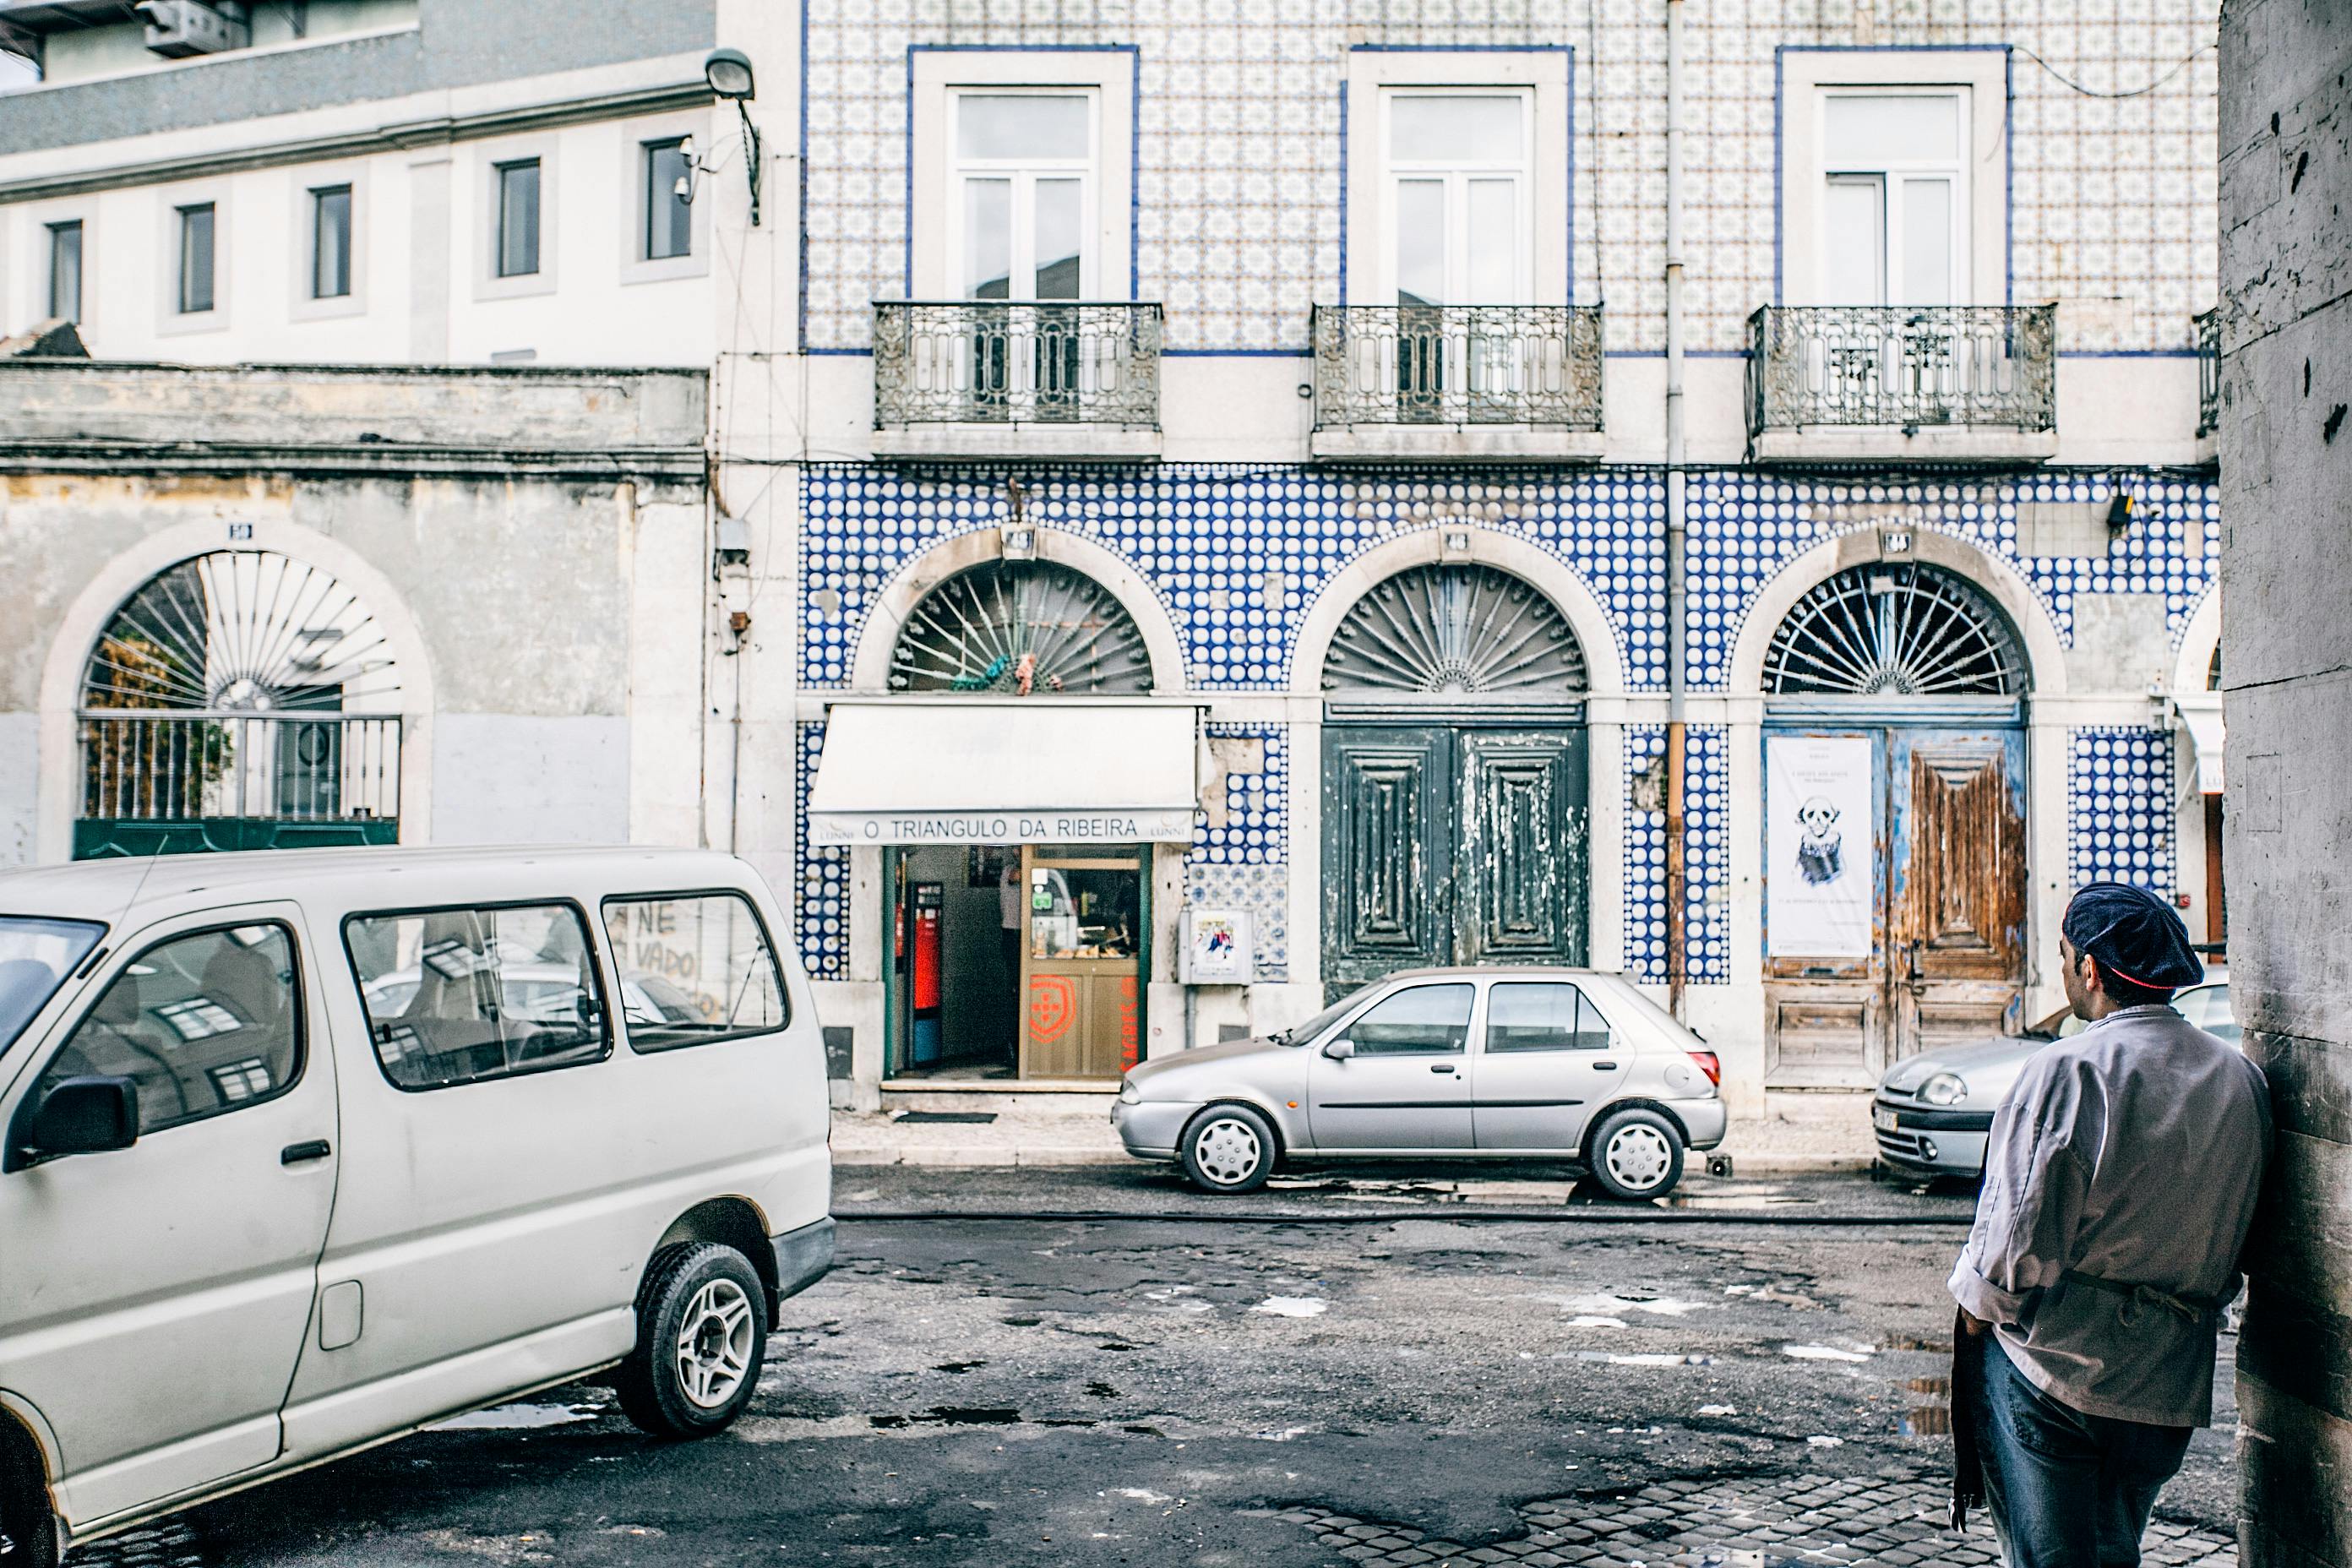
[(1676, 879)]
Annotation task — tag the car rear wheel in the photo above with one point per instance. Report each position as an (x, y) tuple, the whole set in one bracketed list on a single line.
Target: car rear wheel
[(1637, 1153), (1229, 1149), (702, 1332)]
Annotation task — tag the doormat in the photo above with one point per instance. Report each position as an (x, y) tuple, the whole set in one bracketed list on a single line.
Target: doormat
[(977, 1116)]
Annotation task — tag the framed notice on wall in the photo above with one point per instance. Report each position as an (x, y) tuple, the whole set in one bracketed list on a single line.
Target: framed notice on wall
[(1818, 838)]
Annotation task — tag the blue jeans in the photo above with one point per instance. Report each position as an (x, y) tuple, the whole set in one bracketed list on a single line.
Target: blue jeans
[(2065, 1490)]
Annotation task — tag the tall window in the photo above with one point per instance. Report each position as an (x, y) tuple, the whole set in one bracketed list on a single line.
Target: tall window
[(1022, 194), (64, 271), (1895, 196), (1459, 222), (670, 216), (196, 238), (331, 242), (517, 249)]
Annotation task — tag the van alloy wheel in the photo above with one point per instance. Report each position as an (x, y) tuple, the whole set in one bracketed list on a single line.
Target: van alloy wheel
[(714, 1343)]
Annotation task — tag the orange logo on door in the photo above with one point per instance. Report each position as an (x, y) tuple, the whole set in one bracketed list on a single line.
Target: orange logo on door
[(1053, 1005)]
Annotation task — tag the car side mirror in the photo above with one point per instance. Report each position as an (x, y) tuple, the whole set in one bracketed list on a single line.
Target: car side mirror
[(1341, 1050), (81, 1115)]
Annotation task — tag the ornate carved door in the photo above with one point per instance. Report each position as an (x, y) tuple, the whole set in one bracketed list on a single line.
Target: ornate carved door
[(1956, 917)]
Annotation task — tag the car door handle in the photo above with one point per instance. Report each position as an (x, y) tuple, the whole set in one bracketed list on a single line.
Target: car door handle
[(1441, 1066), (296, 1153), (1604, 1066)]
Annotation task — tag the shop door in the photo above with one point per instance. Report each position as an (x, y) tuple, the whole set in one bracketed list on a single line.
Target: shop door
[(1452, 845), (1932, 850)]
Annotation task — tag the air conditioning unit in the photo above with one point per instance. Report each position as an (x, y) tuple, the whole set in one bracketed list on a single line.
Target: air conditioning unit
[(178, 28)]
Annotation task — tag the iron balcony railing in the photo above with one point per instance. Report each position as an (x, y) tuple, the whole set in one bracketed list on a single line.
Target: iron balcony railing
[(186, 766), (1912, 366), (2208, 373), (1457, 365), (985, 362)]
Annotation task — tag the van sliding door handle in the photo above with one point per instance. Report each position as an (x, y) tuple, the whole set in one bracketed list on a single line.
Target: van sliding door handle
[(296, 1153)]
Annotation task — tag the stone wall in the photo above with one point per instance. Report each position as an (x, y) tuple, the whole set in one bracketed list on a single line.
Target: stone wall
[(2286, 180)]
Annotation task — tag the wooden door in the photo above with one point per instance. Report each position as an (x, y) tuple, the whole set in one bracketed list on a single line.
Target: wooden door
[(1825, 1002), (1955, 925), (1521, 859)]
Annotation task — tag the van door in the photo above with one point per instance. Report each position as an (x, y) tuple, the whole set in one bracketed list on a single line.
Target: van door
[(154, 1298)]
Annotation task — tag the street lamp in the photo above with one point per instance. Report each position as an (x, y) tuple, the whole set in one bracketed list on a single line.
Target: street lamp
[(729, 72)]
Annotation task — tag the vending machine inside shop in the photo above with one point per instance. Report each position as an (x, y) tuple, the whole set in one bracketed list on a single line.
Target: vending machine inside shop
[(925, 962)]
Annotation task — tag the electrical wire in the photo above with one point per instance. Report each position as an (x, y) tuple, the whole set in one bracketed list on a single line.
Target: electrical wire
[(2129, 93)]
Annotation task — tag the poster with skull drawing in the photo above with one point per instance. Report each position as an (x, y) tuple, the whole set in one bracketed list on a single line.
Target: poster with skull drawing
[(1817, 845)]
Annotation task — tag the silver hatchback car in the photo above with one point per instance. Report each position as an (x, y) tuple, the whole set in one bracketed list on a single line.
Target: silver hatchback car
[(1442, 1064)]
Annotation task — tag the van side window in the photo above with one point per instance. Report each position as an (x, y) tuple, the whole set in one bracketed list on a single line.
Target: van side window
[(695, 967), (463, 996), (203, 1023)]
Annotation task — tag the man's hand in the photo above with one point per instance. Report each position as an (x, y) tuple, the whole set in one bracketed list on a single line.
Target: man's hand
[(1973, 1325)]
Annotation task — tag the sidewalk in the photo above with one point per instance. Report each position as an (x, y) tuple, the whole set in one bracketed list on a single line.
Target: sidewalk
[(1813, 1135)]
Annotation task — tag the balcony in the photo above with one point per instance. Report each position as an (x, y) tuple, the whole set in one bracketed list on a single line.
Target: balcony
[(981, 379), (2208, 383), (171, 782), (1473, 383), (1953, 383)]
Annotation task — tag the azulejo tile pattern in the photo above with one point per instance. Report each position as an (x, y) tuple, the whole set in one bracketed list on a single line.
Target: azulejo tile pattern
[(1645, 862), (2120, 811), (1240, 152), (1263, 888), (1745, 527), (1255, 829), (1706, 863), (1235, 554), (822, 911)]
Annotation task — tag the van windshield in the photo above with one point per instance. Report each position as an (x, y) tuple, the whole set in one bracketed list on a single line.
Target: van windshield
[(36, 956)]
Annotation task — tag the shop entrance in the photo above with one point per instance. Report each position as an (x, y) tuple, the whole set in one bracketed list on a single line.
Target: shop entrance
[(1015, 961)]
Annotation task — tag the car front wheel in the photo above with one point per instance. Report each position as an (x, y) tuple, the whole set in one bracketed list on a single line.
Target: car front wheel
[(1229, 1149), (702, 1332), (1637, 1153)]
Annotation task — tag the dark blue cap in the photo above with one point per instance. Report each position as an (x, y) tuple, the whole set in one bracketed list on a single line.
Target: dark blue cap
[(2134, 934)]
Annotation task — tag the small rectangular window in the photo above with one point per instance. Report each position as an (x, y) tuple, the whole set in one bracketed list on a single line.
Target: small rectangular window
[(1527, 1017), (695, 967), (465, 996), (331, 242), (517, 253), (64, 271), (203, 1023), (669, 192), (197, 241)]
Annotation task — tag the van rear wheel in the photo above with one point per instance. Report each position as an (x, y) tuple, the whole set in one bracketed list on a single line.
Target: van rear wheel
[(702, 1332), (28, 1532)]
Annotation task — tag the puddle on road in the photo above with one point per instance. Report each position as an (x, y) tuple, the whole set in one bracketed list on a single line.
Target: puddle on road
[(1824, 1352), (516, 1417), (1932, 1419), (1292, 1307)]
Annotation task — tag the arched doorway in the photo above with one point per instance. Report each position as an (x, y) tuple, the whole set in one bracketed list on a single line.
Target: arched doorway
[(1018, 940), (238, 699), (1894, 839), (1455, 826)]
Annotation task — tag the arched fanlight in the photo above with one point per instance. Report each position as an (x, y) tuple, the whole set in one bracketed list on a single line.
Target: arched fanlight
[(1454, 629), (1900, 630), (1024, 627)]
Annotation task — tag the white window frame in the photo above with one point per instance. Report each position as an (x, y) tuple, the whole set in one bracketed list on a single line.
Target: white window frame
[(1980, 78), (487, 157), (171, 321), (1457, 175), (1108, 76), (1891, 177), (306, 181), (1373, 74), (44, 265), (637, 267), (1023, 174)]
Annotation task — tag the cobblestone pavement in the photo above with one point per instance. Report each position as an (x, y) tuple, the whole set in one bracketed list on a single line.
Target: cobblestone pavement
[(1897, 1518)]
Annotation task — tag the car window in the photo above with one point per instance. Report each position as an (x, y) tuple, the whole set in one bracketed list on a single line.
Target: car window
[(36, 956), (1549, 1017), (1421, 1020), (465, 996), (203, 1023), (2207, 1007), (695, 967)]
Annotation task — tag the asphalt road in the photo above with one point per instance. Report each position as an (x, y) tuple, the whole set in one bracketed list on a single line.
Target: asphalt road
[(1170, 1386)]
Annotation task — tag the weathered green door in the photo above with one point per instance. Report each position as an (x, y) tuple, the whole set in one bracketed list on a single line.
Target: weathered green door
[(1445, 845)]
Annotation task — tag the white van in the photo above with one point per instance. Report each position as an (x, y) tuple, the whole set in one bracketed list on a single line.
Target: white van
[(307, 1149)]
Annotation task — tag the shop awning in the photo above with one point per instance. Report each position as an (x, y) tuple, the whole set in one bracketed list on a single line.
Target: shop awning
[(1018, 770), (2202, 713)]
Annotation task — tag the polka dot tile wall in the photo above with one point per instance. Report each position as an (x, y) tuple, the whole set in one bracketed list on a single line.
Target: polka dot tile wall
[(1707, 855), (1239, 150), (1235, 555), (1745, 526), (822, 911), (1257, 804), (2120, 808), (1645, 862)]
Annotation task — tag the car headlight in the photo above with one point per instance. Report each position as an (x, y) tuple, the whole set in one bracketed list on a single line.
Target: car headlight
[(1128, 1094), (1944, 1088)]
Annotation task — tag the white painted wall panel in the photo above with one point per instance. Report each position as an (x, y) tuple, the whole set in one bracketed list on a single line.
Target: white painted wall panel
[(502, 778)]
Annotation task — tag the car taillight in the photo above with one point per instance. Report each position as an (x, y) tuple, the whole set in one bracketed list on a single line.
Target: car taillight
[(1711, 1065)]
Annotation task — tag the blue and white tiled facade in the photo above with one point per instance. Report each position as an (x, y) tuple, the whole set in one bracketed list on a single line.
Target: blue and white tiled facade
[(2120, 805)]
